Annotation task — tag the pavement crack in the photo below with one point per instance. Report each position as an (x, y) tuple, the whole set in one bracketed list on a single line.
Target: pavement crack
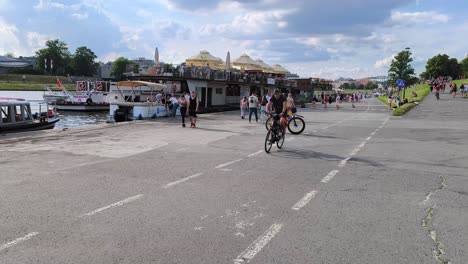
[(427, 224)]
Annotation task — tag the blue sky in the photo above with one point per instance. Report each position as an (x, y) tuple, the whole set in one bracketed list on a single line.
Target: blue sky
[(314, 38)]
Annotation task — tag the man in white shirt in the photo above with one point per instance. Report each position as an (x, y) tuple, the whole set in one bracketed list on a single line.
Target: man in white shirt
[(253, 106), (175, 104)]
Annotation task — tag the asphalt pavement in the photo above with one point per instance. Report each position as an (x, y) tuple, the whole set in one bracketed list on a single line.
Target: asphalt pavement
[(358, 186)]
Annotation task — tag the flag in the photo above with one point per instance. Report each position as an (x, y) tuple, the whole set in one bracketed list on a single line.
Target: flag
[(59, 84)]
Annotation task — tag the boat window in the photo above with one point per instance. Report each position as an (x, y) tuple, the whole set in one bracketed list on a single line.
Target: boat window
[(18, 113), (27, 112), (5, 114)]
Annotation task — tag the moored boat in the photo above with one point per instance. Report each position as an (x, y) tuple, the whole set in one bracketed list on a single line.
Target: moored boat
[(16, 116)]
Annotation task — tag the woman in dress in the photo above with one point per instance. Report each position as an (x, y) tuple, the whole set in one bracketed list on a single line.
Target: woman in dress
[(243, 106), (193, 109), (290, 102)]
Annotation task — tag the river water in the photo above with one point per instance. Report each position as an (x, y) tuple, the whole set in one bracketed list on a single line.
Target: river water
[(67, 118)]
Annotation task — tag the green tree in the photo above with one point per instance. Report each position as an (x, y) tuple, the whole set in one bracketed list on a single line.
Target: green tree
[(119, 67), (464, 66), (83, 62), (361, 87), (442, 65), (9, 55), (401, 68), (371, 86), (352, 86), (345, 86), (57, 51)]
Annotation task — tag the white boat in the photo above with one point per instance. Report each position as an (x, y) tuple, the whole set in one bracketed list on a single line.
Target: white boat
[(15, 116), (134, 100), (89, 96)]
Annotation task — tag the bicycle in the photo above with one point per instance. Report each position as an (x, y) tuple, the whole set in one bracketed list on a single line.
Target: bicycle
[(296, 123), (275, 134)]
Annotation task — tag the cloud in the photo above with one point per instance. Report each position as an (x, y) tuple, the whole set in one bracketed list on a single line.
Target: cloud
[(37, 40), (80, 16), (384, 62), (46, 4), (429, 17), (9, 41), (111, 56)]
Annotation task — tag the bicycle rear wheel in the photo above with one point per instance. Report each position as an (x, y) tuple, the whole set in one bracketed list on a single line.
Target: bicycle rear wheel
[(280, 142), (268, 123), (269, 140), (296, 125)]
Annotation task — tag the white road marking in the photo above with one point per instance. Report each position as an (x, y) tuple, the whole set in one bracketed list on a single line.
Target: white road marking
[(182, 149), (354, 152), (254, 154), (18, 240), (182, 180), (290, 139), (373, 133), (227, 163), (343, 162), (368, 138), (125, 201), (329, 176), (362, 145), (248, 254), (304, 200)]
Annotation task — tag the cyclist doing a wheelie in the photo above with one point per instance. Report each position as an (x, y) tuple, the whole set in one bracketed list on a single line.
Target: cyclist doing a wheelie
[(278, 102)]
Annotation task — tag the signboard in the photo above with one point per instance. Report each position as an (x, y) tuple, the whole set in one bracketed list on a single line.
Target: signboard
[(271, 81), (400, 83)]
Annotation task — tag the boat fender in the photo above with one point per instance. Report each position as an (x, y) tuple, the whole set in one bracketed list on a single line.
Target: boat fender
[(140, 117), (89, 101)]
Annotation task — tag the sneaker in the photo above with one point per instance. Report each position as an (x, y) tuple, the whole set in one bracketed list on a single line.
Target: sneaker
[(183, 125)]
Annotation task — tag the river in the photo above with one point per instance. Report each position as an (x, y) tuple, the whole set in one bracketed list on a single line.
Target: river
[(67, 118)]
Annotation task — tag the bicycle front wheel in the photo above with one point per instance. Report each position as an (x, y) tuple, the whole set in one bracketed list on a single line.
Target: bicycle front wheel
[(296, 125), (280, 142), (269, 139), (268, 123)]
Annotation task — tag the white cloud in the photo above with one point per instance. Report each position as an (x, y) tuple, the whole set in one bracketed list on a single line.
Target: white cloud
[(37, 40), (310, 41), (80, 16), (46, 4), (427, 17), (384, 62), (9, 41), (111, 56)]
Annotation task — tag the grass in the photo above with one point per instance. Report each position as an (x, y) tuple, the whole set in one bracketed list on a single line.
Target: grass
[(422, 90), (14, 82), (20, 86)]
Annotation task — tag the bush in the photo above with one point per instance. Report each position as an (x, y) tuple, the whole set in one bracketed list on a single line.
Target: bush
[(403, 109)]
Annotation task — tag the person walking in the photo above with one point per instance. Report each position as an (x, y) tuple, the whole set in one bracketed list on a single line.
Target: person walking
[(175, 105), (263, 110), (253, 106), (183, 108), (193, 109), (243, 106), (290, 103)]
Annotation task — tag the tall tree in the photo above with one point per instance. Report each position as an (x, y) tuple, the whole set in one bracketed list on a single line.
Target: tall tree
[(352, 86), (119, 67), (464, 66), (401, 68), (9, 55), (83, 62), (442, 65), (56, 51)]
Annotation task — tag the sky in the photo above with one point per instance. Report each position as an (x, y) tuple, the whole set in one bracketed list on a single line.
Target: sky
[(313, 38)]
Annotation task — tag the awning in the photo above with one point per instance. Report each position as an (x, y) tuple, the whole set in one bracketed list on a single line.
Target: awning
[(140, 83)]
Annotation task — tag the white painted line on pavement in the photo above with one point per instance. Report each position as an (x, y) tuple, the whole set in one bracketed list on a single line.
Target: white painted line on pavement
[(354, 152), (125, 201), (182, 149), (362, 145), (227, 163), (18, 240), (368, 138), (343, 162), (304, 200), (254, 154), (248, 254), (290, 139), (329, 176), (373, 133), (182, 180)]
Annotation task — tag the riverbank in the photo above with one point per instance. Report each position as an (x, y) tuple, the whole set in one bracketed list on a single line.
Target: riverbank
[(24, 86), (421, 90), (25, 82)]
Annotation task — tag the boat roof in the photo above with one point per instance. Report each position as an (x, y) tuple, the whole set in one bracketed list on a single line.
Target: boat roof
[(140, 83), (13, 101)]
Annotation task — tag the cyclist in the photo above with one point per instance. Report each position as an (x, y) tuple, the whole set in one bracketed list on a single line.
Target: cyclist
[(278, 102)]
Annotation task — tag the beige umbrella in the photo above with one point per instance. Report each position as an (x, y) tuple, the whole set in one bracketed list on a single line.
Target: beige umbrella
[(265, 67), (204, 58), (244, 61), (279, 69)]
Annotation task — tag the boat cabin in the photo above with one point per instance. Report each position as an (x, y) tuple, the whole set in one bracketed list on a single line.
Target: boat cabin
[(14, 111)]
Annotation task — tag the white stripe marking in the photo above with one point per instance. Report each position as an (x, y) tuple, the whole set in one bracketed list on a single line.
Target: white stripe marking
[(373, 133), (182, 180), (343, 162), (18, 240), (304, 200), (254, 154), (227, 164), (362, 145), (125, 201), (248, 254), (355, 151), (330, 176), (369, 138)]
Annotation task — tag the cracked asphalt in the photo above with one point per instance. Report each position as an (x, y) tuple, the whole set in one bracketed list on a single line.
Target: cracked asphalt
[(358, 186)]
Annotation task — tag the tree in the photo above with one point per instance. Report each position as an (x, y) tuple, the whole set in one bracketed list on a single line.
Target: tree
[(361, 87), (464, 66), (345, 86), (119, 67), (401, 68), (83, 62), (57, 51), (352, 86), (442, 65), (371, 86), (9, 55)]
